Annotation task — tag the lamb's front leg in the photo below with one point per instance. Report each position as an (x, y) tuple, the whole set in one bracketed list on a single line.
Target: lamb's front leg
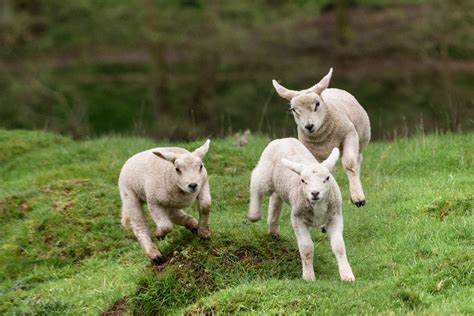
[(182, 218), (204, 203), (161, 219), (334, 230), (351, 161), (305, 246)]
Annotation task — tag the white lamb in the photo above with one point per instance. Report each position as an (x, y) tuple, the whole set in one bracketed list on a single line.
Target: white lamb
[(289, 172), (168, 180), (329, 118)]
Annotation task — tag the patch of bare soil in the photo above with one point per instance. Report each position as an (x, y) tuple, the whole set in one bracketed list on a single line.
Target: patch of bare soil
[(119, 308)]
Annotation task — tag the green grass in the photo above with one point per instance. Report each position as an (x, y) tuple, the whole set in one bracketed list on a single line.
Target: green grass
[(63, 250)]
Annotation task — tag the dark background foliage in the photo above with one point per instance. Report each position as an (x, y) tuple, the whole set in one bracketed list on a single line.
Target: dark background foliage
[(188, 68)]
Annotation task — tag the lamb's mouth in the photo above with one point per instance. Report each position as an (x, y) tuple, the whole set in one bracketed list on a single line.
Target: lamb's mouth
[(310, 134), (187, 191), (313, 200)]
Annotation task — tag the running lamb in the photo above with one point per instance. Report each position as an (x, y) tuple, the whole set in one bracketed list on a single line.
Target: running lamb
[(288, 172)]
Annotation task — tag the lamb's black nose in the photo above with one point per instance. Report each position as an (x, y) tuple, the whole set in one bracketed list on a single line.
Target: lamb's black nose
[(192, 186), (309, 127), (315, 194)]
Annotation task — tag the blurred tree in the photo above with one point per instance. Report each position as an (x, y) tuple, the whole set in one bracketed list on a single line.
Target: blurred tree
[(84, 66), (446, 34), (343, 23), (208, 62), (6, 13), (157, 43)]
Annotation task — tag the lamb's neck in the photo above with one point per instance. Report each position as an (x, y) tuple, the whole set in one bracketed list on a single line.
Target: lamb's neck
[(313, 214), (322, 134), (320, 215)]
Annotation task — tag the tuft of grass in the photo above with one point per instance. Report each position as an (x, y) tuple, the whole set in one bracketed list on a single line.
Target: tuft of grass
[(63, 250), (454, 205)]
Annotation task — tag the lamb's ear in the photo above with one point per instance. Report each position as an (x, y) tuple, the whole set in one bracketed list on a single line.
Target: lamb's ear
[(284, 92), (293, 166), (330, 161), (169, 156), (322, 85), (202, 151)]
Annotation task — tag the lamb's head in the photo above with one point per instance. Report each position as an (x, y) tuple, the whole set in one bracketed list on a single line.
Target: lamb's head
[(190, 172), (307, 106), (315, 177)]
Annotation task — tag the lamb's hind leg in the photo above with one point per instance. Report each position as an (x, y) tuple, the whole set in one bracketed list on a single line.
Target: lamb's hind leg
[(351, 160), (125, 221), (132, 212), (256, 195), (274, 212), (359, 164)]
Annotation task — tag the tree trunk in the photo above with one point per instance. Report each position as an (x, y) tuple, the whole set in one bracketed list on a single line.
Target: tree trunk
[(343, 25), (6, 14), (156, 43), (158, 79), (208, 66)]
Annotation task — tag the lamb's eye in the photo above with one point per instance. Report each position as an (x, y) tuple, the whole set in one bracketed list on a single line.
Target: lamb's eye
[(200, 168), (302, 181), (316, 107), (327, 179), (178, 170)]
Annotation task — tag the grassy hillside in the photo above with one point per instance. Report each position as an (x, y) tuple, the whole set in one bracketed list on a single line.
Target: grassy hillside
[(62, 247)]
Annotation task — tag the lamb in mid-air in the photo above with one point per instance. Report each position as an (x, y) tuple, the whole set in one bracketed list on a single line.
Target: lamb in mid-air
[(288, 172), (168, 180), (329, 118)]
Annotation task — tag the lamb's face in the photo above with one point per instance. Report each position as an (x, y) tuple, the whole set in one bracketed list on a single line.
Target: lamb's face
[(309, 111), (315, 177), (307, 105), (315, 180), (190, 173)]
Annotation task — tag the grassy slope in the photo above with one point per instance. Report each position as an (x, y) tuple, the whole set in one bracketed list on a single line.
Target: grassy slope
[(62, 248)]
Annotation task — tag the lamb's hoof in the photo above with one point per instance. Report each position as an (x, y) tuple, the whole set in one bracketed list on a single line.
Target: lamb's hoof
[(161, 233), (348, 277), (253, 218), (275, 236), (158, 260), (194, 230), (160, 236), (309, 277), (360, 203), (204, 233)]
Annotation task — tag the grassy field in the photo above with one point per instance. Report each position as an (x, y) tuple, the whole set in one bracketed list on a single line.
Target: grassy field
[(63, 250)]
